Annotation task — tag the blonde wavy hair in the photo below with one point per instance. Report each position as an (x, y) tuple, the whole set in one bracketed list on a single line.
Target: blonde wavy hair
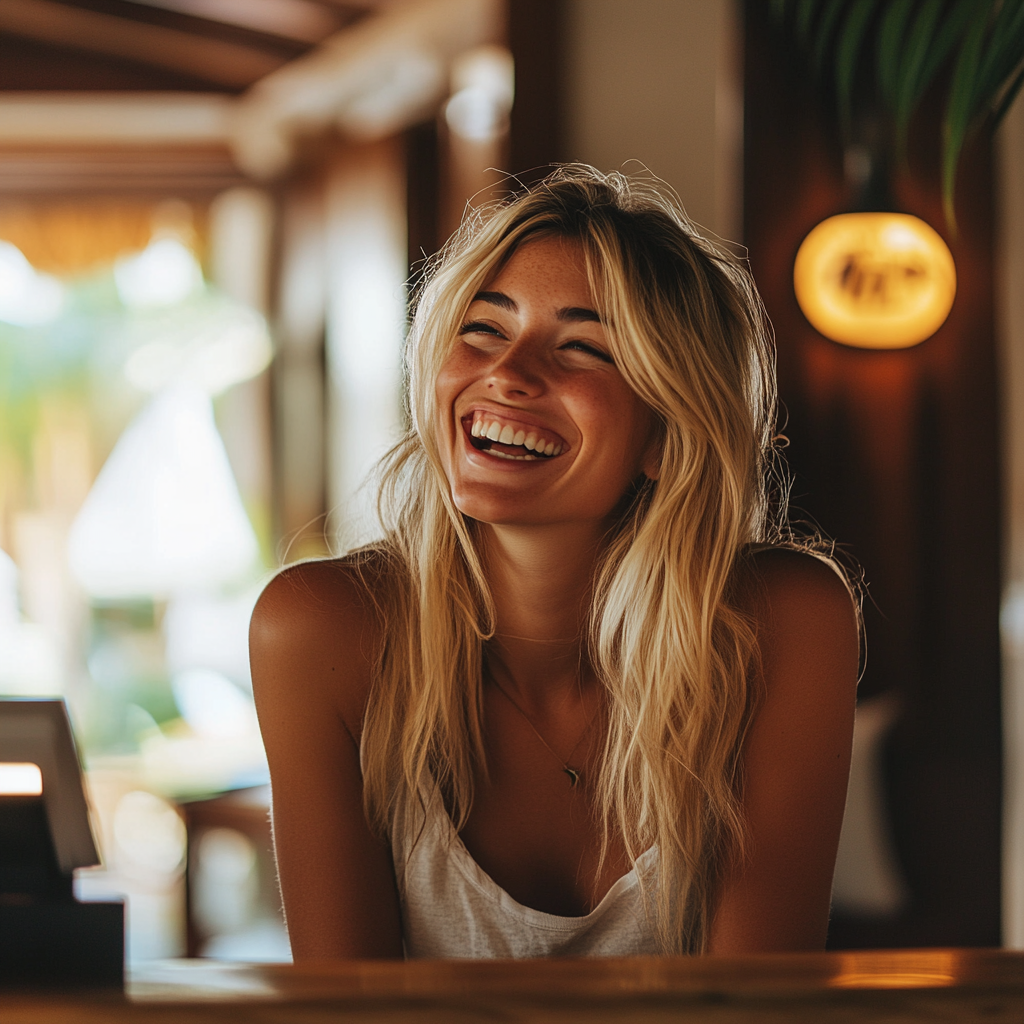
[(687, 331)]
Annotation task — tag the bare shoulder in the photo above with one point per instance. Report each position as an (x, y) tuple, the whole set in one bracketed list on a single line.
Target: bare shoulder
[(796, 752), (793, 575), (304, 599), (788, 588), (316, 632), (802, 609), (314, 642)]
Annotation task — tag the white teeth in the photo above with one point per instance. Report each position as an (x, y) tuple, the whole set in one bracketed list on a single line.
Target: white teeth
[(517, 458), (505, 434)]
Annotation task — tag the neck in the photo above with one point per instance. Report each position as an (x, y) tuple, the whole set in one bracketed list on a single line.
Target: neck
[(541, 580)]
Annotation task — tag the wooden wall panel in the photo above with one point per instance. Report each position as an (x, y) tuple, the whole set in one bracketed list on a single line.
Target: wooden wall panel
[(535, 37), (895, 454)]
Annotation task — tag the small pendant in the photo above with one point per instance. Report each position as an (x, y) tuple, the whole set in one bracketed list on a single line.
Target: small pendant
[(574, 775)]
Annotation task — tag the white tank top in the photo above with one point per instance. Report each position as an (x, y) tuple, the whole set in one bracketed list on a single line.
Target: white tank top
[(451, 908)]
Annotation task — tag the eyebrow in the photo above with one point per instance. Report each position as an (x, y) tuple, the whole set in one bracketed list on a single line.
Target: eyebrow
[(570, 314), (578, 314)]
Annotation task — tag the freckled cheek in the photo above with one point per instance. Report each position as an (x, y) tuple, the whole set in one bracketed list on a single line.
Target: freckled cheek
[(457, 373), (449, 385)]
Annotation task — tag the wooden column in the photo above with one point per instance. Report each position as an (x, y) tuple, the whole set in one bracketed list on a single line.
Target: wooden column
[(535, 37), (896, 455)]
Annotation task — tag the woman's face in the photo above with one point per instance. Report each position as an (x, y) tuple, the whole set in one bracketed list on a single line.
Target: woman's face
[(537, 425)]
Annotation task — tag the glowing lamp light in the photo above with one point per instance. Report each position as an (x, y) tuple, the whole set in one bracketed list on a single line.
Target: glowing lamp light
[(875, 280), (20, 778)]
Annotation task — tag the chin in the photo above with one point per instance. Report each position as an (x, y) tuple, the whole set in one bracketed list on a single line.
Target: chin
[(494, 511)]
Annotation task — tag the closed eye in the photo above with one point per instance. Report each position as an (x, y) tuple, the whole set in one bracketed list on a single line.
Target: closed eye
[(478, 327), (582, 346)]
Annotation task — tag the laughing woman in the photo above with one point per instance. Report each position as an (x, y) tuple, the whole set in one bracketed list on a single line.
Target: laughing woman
[(585, 696)]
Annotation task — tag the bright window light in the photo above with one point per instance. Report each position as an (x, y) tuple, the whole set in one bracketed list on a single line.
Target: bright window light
[(20, 778), (149, 834), (164, 515), (483, 88), (212, 705), (210, 346), (473, 114), (210, 631), (9, 613), (164, 273), (27, 298)]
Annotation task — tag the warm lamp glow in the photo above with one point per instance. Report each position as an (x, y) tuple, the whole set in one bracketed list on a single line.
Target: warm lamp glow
[(20, 778), (932, 968), (875, 280)]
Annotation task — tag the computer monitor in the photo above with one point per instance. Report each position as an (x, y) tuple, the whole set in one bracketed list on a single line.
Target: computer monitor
[(46, 935), (37, 732)]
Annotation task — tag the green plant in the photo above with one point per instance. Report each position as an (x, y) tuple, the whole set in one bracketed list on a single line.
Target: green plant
[(896, 48)]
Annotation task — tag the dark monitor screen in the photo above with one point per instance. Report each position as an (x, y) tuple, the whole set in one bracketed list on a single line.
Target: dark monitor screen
[(38, 732)]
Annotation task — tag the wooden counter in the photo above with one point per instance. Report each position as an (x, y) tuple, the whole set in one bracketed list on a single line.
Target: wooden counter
[(895, 987)]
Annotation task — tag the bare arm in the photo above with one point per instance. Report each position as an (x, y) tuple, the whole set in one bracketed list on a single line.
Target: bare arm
[(796, 760), (311, 644)]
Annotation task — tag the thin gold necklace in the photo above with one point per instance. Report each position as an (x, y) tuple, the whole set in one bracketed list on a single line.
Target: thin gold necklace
[(574, 773)]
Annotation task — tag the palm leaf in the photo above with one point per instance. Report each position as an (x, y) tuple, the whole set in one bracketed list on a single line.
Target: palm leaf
[(960, 109), (952, 28), (805, 11), (851, 38), (1007, 98), (890, 40), (1001, 55), (991, 55), (911, 40), (824, 31), (914, 70)]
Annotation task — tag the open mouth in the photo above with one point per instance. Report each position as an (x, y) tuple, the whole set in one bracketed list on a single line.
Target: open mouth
[(507, 439)]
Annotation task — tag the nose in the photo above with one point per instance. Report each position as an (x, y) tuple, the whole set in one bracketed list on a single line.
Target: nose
[(517, 372)]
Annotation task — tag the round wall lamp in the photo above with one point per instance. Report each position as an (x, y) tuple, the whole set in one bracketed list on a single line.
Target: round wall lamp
[(875, 280)]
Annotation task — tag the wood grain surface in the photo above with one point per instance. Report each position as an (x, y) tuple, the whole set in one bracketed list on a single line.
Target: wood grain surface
[(895, 987)]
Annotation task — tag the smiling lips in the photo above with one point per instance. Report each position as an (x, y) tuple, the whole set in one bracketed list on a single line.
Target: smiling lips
[(510, 440)]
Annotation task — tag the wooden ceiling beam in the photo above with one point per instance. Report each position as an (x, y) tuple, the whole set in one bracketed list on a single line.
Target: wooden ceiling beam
[(303, 21), (370, 81), (211, 60), (114, 119), (179, 170)]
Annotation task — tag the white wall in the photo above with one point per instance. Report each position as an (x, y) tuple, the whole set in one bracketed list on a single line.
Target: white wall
[(660, 81)]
